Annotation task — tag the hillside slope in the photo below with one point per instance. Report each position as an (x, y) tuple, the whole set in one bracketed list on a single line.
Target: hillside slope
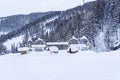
[(10, 23)]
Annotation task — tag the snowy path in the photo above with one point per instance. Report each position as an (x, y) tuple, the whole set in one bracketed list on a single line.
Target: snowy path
[(81, 66)]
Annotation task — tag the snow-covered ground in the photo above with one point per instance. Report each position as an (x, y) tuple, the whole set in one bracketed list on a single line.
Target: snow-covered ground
[(84, 65), (100, 43)]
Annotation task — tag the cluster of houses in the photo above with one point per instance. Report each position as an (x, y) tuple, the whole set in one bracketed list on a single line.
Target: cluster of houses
[(72, 46)]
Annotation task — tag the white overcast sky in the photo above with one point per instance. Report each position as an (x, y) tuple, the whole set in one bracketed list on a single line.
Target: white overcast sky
[(12, 7)]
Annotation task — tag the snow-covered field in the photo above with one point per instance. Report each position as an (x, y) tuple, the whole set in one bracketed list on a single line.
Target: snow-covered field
[(86, 65)]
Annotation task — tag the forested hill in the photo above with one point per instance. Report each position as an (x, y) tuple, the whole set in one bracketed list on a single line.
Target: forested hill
[(10, 23), (99, 21)]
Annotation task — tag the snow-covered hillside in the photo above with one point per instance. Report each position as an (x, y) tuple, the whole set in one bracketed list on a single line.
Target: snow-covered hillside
[(99, 21), (86, 65), (100, 43), (15, 41)]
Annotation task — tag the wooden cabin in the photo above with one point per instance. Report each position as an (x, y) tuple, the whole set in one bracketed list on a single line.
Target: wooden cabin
[(29, 42), (39, 45), (73, 45), (84, 43), (39, 41)]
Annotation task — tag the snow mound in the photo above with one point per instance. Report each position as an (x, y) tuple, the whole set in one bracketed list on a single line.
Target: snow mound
[(53, 49)]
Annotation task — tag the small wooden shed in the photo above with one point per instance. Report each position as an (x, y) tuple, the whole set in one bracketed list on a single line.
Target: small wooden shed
[(84, 43)]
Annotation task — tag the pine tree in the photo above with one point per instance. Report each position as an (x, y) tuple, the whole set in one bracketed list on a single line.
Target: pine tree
[(3, 49), (14, 48)]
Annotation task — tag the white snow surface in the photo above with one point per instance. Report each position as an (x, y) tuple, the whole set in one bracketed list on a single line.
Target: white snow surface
[(13, 41), (86, 65), (100, 43), (84, 37), (23, 49)]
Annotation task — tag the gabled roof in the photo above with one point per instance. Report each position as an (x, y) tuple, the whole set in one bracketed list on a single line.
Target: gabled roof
[(84, 37), (29, 39), (39, 39), (73, 38)]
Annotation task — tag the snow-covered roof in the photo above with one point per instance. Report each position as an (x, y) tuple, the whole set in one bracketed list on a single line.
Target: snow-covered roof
[(84, 37), (53, 48), (74, 38), (23, 49), (34, 36), (84, 40), (30, 39), (40, 39)]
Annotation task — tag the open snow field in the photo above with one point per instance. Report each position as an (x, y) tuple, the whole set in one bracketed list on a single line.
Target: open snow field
[(85, 65)]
